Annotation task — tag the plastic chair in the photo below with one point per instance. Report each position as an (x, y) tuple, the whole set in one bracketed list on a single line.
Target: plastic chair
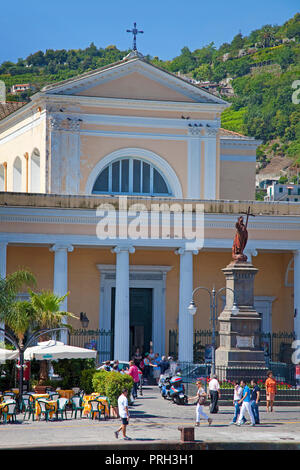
[(76, 403), (46, 408), (27, 406), (9, 396), (96, 407), (62, 407), (54, 396), (105, 405), (9, 411)]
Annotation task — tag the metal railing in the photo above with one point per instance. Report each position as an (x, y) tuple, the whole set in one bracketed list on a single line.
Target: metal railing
[(277, 346), (287, 385), (99, 340)]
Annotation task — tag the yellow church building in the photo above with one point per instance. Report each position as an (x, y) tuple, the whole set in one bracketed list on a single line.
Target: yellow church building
[(97, 175)]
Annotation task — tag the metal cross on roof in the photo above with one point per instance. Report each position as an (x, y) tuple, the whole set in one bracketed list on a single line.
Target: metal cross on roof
[(135, 32)]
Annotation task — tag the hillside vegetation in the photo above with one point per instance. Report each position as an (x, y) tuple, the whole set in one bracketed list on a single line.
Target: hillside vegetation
[(263, 66)]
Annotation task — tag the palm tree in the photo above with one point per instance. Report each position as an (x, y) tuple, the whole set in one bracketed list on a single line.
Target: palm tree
[(47, 315), (16, 315)]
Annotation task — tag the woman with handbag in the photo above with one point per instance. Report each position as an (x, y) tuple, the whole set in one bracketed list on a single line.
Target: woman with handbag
[(201, 400)]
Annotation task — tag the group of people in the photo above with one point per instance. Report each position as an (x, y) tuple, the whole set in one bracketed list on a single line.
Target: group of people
[(152, 364), (245, 399)]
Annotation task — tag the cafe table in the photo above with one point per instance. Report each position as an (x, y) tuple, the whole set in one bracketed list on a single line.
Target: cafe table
[(52, 403), (94, 396), (35, 397), (66, 394)]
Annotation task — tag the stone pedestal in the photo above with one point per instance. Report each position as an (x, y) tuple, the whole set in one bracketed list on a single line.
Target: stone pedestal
[(239, 333)]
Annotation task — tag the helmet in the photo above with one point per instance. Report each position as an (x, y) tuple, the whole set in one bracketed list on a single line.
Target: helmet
[(176, 380)]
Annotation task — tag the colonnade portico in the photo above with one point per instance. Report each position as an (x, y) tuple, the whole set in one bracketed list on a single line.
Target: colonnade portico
[(125, 270)]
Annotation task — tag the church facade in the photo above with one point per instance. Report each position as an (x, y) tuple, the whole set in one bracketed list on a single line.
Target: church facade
[(97, 175)]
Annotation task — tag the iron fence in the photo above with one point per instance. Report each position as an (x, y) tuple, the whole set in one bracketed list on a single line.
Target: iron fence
[(99, 340), (276, 346), (288, 389)]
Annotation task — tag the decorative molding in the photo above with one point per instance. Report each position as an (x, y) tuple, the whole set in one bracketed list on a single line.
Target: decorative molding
[(120, 248), (182, 251), (59, 247), (95, 78)]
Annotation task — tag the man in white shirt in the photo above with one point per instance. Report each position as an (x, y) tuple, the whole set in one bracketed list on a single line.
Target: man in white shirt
[(123, 413), (214, 391)]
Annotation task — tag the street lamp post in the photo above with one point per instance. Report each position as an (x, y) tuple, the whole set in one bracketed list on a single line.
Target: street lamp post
[(213, 295), (22, 348)]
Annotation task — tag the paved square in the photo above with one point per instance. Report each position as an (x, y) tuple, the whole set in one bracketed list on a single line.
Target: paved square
[(153, 420)]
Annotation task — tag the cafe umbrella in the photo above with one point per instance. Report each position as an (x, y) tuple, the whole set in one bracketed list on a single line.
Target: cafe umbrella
[(53, 350), (8, 355)]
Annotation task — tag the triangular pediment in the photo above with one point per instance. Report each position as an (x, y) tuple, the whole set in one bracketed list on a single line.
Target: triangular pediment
[(133, 79)]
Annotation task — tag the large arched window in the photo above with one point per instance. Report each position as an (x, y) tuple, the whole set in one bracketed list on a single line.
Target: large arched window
[(131, 176)]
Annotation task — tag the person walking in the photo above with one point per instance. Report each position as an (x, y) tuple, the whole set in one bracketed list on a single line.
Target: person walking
[(271, 388), (214, 391), (255, 396), (245, 402), (201, 399), (237, 396), (124, 414)]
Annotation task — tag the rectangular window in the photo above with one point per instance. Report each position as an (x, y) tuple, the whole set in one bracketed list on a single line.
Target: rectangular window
[(146, 178), (125, 176), (136, 176), (115, 186)]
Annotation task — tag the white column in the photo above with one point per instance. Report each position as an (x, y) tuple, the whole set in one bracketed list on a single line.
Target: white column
[(194, 162), (3, 251), (60, 281), (121, 335), (297, 293), (186, 320)]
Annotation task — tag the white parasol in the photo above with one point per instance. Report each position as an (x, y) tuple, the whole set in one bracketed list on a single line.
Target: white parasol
[(51, 350)]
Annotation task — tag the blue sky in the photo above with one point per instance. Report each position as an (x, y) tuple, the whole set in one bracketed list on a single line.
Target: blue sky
[(27, 27)]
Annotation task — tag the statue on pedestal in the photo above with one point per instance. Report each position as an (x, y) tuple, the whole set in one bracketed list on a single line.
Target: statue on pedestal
[(240, 239)]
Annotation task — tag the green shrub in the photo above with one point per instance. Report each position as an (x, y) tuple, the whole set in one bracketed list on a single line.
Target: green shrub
[(111, 384), (70, 370), (86, 382)]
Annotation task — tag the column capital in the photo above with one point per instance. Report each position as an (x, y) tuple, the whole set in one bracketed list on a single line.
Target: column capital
[(251, 252), (61, 247), (182, 251), (120, 248)]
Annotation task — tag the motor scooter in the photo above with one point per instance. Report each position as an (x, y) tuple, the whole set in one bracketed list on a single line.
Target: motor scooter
[(172, 388)]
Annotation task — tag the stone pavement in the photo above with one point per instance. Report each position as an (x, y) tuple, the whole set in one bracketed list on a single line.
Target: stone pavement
[(154, 424)]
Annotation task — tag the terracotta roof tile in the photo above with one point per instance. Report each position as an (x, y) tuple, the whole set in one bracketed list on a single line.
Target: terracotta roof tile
[(9, 107)]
